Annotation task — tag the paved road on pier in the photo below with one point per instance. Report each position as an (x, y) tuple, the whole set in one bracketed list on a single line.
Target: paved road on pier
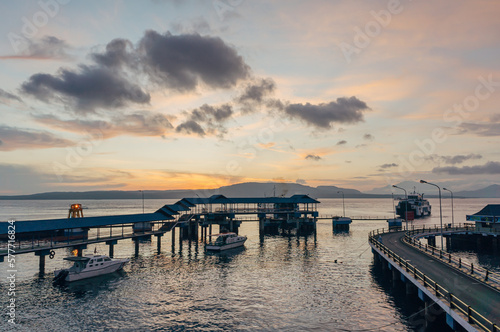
[(480, 297)]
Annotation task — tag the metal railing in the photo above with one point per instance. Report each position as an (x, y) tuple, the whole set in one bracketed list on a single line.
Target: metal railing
[(94, 235), (481, 274), (453, 301)]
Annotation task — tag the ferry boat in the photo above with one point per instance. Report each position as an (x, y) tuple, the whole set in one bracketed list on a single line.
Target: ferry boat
[(226, 241), (88, 266), (415, 205)]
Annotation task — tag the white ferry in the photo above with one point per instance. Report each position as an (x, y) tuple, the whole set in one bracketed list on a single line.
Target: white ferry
[(89, 266), (415, 205), (226, 241)]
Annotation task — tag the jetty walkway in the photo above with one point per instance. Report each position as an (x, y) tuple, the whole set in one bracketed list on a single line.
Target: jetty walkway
[(468, 296)]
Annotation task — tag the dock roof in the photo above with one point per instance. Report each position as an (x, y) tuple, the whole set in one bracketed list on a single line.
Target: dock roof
[(489, 210)]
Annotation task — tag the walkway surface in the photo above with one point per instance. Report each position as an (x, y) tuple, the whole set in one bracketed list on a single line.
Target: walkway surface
[(482, 298)]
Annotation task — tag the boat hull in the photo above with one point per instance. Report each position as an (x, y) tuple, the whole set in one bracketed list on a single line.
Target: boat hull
[(94, 272), (233, 245)]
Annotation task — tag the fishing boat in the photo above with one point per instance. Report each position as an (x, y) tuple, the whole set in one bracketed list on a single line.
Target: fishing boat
[(88, 266), (415, 206), (225, 241)]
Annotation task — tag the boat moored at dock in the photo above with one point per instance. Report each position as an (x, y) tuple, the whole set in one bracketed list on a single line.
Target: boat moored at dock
[(88, 266), (415, 206), (225, 241)]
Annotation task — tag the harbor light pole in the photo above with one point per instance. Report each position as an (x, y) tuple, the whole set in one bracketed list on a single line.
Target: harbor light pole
[(142, 191), (406, 205), (440, 209), (452, 217), (343, 203)]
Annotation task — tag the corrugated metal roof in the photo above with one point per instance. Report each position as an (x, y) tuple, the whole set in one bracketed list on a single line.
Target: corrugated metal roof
[(55, 224)]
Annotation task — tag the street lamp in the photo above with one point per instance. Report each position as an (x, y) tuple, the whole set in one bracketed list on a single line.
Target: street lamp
[(452, 217), (440, 209), (406, 205), (343, 203), (142, 191)]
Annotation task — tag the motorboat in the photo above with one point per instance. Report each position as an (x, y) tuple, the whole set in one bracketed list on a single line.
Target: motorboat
[(225, 241), (88, 266)]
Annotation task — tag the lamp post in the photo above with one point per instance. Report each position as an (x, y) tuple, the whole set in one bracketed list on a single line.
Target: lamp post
[(343, 203), (406, 205), (452, 217), (440, 209), (142, 191)]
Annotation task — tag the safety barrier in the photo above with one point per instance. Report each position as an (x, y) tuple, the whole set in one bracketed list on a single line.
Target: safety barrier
[(453, 301)]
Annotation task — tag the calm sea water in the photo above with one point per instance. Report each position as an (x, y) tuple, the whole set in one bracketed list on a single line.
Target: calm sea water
[(284, 283)]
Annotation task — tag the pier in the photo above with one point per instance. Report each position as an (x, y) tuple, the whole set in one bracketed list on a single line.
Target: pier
[(467, 295), (194, 218)]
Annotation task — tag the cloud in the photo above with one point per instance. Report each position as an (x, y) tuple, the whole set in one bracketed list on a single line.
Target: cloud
[(344, 110), (368, 137), (386, 166), (178, 62), (481, 129), (190, 127), (257, 91), (139, 123), (207, 120), (313, 157), (491, 167), (49, 47), (17, 138), (119, 53), (5, 97), (342, 142), (301, 181), (453, 160), (182, 62), (88, 88), (459, 159)]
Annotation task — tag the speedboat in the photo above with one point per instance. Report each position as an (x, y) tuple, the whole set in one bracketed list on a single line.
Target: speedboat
[(226, 241), (88, 266)]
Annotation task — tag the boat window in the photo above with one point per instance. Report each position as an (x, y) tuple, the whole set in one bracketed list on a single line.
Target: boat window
[(99, 260), (107, 259)]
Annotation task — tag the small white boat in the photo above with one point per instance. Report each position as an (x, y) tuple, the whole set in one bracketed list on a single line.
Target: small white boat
[(226, 241), (89, 266)]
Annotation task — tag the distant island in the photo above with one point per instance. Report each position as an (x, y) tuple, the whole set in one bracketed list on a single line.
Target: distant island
[(254, 189)]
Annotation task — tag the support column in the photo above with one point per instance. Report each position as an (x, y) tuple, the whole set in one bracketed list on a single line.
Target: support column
[(41, 261), (158, 242), (136, 242), (111, 244), (173, 238)]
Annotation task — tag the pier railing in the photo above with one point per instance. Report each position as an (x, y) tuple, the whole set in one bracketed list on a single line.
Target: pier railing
[(453, 301), (94, 235), (477, 272)]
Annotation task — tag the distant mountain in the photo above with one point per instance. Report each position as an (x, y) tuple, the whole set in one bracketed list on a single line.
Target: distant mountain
[(408, 185), (248, 189), (492, 191)]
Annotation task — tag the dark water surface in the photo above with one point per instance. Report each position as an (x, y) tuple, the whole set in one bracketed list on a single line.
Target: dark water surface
[(284, 283)]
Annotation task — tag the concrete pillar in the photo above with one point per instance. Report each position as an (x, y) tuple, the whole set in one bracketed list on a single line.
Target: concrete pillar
[(158, 243), (111, 244), (173, 238), (41, 261), (136, 242)]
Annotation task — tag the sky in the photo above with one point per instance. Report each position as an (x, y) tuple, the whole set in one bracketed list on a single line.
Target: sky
[(159, 95)]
